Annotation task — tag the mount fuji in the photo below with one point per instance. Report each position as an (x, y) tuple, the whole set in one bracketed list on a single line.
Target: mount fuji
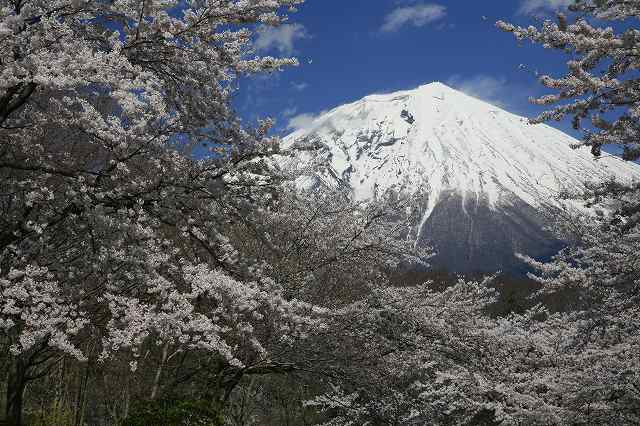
[(480, 173)]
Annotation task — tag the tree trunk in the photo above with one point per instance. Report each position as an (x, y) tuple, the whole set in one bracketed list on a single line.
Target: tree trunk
[(227, 380), (156, 379), (16, 384), (81, 397)]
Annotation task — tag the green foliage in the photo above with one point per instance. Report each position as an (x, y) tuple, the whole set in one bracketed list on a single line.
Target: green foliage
[(173, 413)]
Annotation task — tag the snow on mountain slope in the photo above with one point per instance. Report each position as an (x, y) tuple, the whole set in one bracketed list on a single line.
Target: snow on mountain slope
[(438, 142)]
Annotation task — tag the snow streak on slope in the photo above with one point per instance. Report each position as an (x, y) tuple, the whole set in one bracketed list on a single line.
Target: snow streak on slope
[(434, 139)]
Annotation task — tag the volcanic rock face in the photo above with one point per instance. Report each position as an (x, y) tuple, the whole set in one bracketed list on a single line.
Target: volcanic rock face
[(481, 173)]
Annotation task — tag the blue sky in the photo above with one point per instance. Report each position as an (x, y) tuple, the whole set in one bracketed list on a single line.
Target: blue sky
[(352, 48)]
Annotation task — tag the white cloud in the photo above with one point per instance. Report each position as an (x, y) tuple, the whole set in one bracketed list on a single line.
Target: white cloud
[(488, 88), (532, 7), (280, 38), (289, 111), (303, 121), (417, 15), (300, 86)]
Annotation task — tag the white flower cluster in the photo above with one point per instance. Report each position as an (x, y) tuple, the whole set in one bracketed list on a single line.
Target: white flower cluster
[(34, 302)]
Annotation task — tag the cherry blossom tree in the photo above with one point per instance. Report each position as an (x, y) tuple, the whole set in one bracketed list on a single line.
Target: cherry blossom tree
[(599, 329), (117, 148), (594, 372), (599, 85)]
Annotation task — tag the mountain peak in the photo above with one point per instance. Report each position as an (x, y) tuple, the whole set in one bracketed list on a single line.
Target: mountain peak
[(435, 85), (438, 138), (435, 88)]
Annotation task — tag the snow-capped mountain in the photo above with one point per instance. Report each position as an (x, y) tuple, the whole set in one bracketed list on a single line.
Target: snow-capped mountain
[(482, 173)]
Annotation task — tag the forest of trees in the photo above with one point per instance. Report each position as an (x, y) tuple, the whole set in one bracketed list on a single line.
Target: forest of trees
[(156, 267)]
